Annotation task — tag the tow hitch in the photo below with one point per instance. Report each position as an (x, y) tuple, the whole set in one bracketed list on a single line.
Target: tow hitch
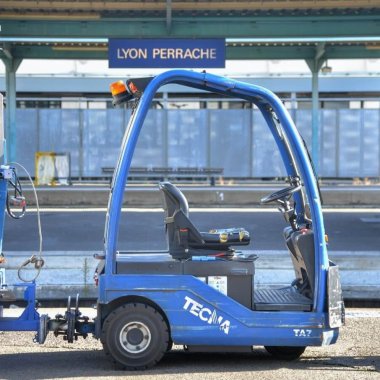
[(70, 325)]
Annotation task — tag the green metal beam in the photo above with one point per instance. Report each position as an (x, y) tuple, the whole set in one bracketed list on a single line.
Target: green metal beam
[(315, 65), (270, 52), (11, 65), (301, 52), (197, 27), (349, 52), (49, 52), (233, 52)]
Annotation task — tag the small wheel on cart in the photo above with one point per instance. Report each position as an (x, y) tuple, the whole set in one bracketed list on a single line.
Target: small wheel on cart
[(285, 353), (135, 336)]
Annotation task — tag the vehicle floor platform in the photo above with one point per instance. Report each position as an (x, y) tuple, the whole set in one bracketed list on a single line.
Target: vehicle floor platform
[(284, 299)]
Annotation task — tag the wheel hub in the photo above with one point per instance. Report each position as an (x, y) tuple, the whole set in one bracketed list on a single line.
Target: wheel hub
[(135, 337)]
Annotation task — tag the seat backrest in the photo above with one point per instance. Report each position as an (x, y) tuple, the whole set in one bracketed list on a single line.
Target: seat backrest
[(174, 200), (177, 219)]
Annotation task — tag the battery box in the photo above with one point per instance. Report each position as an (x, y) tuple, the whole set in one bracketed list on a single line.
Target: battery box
[(232, 277)]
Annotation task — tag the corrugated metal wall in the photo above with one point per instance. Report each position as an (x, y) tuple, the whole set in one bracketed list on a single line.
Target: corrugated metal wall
[(236, 140)]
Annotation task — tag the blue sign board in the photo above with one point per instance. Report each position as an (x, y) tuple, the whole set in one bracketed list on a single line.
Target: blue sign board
[(166, 53)]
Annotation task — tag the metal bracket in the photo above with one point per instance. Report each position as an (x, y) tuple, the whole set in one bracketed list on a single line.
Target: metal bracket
[(72, 324), (42, 330)]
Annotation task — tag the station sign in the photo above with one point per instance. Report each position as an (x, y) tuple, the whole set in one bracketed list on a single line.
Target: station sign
[(166, 53)]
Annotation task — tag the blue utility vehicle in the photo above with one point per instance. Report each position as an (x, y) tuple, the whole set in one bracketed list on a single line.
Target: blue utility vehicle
[(200, 292)]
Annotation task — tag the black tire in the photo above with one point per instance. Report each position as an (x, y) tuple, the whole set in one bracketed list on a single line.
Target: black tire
[(170, 346), (135, 336), (285, 353)]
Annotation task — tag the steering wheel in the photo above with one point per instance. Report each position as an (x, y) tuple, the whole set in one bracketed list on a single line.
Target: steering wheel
[(281, 194)]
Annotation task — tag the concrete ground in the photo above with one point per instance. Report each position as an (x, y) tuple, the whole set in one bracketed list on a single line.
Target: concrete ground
[(356, 356)]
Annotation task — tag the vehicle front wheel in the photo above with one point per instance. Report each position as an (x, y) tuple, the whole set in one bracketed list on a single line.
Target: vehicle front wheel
[(285, 353), (135, 336)]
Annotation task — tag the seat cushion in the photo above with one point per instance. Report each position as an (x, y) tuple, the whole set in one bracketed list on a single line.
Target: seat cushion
[(227, 236)]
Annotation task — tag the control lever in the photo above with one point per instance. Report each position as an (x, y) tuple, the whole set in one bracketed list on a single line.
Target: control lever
[(289, 213)]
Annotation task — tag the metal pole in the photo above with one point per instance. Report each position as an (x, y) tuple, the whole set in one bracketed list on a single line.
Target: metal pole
[(168, 16), (11, 66), (362, 144), (165, 132), (314, 66), (378, 173), (81, 150), (337, 144), (315, 121), (1, 130), (251, 123), (3, 187), (293, 105), (208, 144)]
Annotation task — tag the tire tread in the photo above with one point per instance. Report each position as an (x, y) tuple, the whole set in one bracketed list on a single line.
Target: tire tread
[(118, 313)]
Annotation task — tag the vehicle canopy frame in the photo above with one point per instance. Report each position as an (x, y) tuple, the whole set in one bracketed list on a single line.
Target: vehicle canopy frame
[(290, 143)]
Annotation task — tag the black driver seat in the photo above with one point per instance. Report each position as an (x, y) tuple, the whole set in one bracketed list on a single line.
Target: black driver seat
[(183, 237)]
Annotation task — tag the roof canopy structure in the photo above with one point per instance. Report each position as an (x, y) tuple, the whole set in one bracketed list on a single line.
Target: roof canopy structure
[(276, 29), (255, 29)]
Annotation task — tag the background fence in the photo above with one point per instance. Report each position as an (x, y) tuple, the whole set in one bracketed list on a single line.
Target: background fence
[(237, 140)]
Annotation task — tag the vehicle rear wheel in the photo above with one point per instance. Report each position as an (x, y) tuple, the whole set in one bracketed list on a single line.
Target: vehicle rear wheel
[(285, 353), (135, 336)]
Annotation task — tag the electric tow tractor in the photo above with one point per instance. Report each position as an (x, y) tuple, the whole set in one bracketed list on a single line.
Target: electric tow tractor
[(200, 292)]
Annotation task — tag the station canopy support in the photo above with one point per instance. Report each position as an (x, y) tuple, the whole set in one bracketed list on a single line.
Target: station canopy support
[(11, 66), (315, 66)]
